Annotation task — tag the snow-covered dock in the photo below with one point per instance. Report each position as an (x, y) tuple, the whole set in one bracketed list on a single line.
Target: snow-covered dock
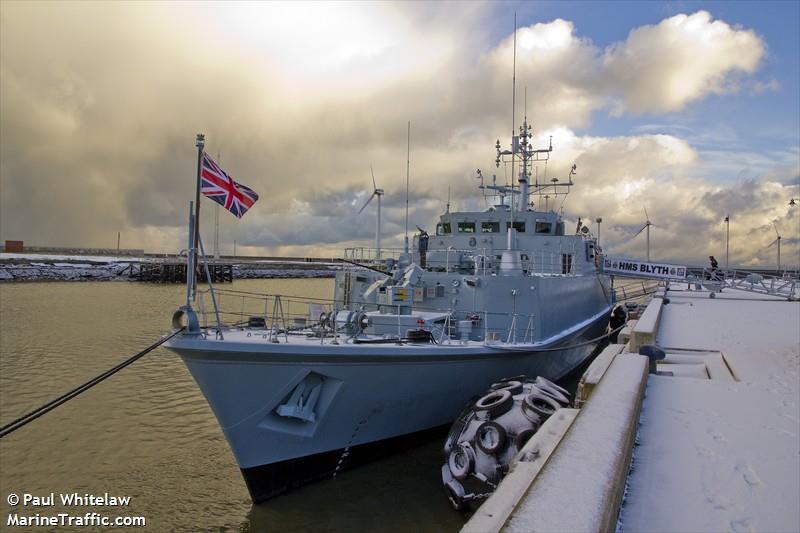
[(718, 445)]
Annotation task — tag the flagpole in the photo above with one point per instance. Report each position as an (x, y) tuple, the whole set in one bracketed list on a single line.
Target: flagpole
[(200, 143), (189, 257)]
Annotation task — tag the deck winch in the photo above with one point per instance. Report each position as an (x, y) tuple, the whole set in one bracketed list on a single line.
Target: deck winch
[(490, 432), (350, 321)]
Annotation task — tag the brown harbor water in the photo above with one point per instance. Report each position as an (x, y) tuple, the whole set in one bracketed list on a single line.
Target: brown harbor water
[(148, 433)]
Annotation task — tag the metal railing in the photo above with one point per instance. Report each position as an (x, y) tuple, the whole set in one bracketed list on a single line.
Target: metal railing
[(283, 315), (637, 289), (486, 262), (236, 308), (785, 286), (363, 253)]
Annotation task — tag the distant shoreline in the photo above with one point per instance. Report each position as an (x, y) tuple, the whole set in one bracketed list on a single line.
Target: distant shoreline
[(18, 268)]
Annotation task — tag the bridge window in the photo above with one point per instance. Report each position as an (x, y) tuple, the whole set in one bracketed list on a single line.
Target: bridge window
[(443, 228), (490, 227), (543, 227), (466, 227), (519, 226)]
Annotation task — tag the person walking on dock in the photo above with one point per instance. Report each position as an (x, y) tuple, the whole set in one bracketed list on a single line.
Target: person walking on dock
[(714, 267)]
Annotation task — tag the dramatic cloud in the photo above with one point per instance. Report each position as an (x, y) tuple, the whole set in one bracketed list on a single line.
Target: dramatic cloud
[(683, 58), (657, 69), (100, 104), (559, 69)]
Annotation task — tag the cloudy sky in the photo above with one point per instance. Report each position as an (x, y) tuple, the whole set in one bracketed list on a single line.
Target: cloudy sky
[(687, 109)]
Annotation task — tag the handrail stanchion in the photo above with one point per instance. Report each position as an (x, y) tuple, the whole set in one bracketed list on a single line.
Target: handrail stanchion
[(211, 288)]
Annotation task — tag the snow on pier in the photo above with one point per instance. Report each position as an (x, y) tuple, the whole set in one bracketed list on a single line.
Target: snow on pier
[(721, 454), (717, 431)]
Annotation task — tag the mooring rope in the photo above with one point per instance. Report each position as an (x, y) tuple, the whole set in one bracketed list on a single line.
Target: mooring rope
[(557, 348), (49, 406)]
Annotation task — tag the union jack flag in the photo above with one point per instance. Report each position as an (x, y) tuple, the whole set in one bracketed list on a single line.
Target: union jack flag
[(221, 188)]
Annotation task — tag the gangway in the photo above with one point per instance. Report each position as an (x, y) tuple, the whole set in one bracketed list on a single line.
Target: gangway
[(786, 286), (715, 280)]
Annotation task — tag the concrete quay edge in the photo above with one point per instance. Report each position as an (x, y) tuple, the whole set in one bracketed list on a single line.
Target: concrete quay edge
[(494, 512)]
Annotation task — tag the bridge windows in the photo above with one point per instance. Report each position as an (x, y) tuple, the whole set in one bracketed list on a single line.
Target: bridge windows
[(466, 227), (443, 228), (519, 226), (490, 227), (544, 227)]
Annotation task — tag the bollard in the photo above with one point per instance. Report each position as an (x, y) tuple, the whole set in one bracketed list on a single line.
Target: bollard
[(654, 353)]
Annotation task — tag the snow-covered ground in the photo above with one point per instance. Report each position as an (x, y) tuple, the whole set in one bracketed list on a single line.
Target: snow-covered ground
[(51, 257), (49, 267), (722, 455), (11, 272)]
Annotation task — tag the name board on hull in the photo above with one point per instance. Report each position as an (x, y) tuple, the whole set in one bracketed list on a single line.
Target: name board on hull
[(643, 269)]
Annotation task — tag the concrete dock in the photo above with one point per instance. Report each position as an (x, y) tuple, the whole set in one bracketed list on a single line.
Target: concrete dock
[(706, 439)]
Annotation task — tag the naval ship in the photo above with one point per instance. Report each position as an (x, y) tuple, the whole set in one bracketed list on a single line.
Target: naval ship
[(304, 389)]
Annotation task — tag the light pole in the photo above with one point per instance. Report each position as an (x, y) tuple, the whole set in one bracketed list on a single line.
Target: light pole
[(727, 239), (598, 220)]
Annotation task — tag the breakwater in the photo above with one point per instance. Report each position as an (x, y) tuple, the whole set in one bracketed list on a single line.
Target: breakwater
[(98, 268)]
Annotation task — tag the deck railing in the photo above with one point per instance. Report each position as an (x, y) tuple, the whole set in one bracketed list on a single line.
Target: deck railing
[(283, 315), (486, 262)]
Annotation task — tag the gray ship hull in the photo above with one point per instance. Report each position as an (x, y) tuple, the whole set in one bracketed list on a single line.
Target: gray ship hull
[(368, 397)]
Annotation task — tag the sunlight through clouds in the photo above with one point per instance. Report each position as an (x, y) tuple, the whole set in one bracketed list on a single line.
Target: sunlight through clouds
[(100, 103)]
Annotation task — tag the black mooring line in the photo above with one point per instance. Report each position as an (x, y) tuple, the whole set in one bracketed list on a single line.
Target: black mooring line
[(49, 406)]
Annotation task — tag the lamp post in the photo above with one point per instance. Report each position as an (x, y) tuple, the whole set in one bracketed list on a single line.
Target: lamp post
[(598, 220), (727, 239)]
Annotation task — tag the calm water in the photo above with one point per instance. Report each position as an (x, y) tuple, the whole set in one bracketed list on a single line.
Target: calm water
[(148, 433)]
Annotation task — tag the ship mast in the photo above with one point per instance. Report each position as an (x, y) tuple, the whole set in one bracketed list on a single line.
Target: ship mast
[(408, 170), (510, 243)]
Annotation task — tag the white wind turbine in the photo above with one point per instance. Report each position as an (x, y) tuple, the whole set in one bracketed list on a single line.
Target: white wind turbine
[(375, 192), (647, 225), (778, 241)]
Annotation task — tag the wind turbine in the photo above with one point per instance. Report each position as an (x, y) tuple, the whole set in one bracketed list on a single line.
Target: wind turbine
[(778, 240), (375, 192), (647, 225)]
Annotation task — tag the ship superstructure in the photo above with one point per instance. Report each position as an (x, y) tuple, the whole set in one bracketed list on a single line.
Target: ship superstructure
[(305, 388)]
